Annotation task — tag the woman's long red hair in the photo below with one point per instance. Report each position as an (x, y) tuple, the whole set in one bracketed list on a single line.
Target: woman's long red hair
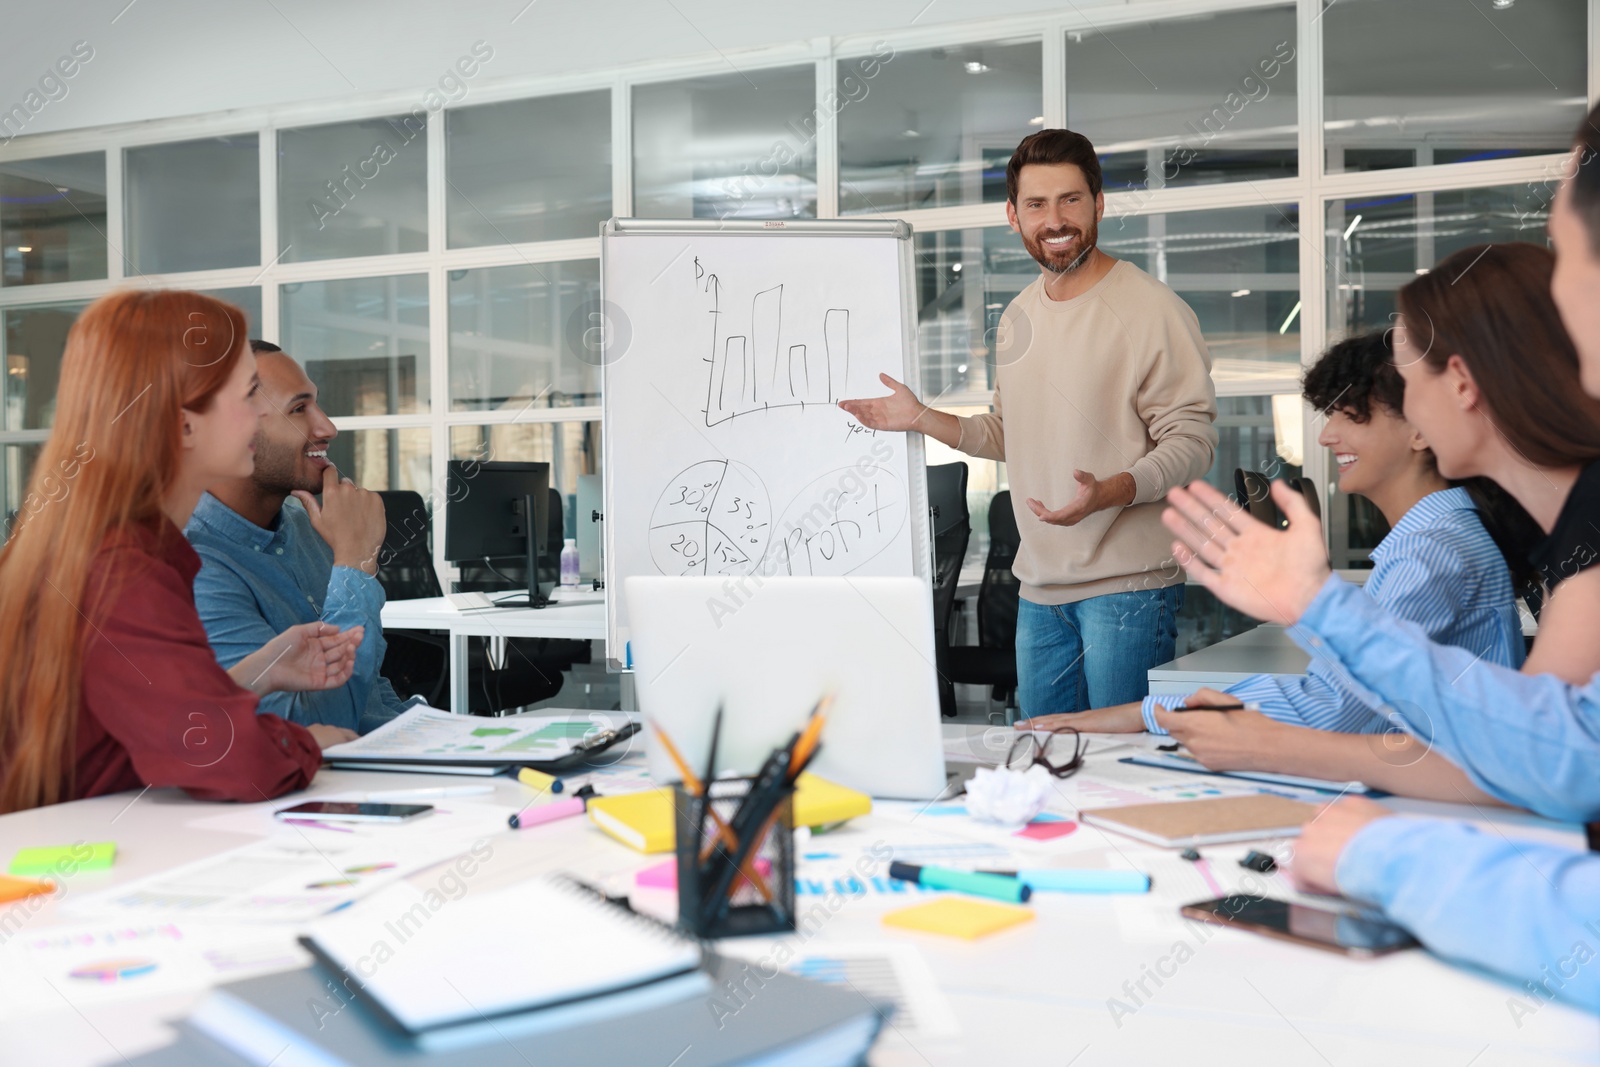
[(133, 362)]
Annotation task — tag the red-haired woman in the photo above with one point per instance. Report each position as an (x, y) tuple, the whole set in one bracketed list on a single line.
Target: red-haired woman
[(106, 680)]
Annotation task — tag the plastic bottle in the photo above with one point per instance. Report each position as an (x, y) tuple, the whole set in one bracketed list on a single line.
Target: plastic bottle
[(569, 564)]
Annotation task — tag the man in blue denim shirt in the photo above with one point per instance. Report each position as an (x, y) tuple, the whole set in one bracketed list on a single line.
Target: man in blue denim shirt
[(268, 562)]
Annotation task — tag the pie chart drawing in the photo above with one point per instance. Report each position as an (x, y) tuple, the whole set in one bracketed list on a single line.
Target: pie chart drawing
[(714, 518), (107, 971)]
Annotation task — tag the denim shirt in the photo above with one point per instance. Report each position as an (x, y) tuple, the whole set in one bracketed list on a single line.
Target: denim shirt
[(1526, 909), (254, 583)]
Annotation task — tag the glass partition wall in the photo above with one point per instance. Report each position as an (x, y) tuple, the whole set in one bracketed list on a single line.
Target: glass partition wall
[(1283, 166)]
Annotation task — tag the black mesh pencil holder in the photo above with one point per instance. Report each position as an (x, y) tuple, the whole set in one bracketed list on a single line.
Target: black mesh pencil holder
[(735, 860)]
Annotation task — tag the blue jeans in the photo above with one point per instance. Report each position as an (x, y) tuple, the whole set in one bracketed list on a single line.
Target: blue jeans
[(1095, 652)]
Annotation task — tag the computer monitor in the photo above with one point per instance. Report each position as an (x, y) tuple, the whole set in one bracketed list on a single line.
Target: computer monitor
[(487, 518)]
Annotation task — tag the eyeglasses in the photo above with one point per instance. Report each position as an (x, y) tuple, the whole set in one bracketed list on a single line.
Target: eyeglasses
[(1061, 752)]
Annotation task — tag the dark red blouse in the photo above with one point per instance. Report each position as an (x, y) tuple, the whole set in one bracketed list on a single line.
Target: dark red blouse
[(157, 707)]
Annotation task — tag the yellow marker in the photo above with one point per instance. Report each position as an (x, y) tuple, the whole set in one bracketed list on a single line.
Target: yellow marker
[(538, 780)]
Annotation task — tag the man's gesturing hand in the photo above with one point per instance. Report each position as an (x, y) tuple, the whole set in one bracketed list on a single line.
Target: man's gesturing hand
[(897, 411), (349, 518), (1093, 495)]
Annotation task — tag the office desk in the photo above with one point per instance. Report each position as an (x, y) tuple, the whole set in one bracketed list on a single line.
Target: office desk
[(1265, 650), (1041, 993), (584, 622)]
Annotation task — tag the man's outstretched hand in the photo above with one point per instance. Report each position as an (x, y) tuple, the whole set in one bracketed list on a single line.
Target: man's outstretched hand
[(901, 410), (1273, 575), (1093, 495)]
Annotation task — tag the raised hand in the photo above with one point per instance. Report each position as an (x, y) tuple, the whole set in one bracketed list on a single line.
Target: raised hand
[(1270, 574), (349, 518)]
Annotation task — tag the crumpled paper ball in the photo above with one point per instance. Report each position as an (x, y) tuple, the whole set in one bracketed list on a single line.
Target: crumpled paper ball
[(1006, 796)]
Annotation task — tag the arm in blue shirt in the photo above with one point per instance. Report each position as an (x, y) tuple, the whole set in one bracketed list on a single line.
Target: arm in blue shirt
[(351, 598), (1422, 578), (236, 627), (355, 598), (1527, 910), (1530, 740)]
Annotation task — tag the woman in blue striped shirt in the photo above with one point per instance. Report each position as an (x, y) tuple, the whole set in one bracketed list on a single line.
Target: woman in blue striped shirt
[(1438, 566), (1494, 382)]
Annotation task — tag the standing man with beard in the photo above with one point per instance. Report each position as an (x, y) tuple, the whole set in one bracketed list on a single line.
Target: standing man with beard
[(268, 563), (1108, 403)]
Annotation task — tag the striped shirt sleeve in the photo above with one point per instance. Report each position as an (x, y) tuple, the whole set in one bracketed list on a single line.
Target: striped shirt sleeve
[(1419, 577)]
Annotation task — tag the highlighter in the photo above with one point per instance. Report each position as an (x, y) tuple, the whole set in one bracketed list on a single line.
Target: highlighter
[(978, 883), (1068, 880), (540, 814), (544, 783)]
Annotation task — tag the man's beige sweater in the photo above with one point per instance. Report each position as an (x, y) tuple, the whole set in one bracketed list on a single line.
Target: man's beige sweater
[(1117, 379)]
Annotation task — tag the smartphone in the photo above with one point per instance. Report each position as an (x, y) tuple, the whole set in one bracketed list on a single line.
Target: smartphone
[(351, 811), (1364, 935)]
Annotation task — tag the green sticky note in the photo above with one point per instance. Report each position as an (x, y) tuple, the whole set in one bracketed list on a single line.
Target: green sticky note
[(63, 860)]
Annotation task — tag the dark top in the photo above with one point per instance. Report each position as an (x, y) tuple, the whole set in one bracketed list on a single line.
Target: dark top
[(1574, 543), (157, 707)]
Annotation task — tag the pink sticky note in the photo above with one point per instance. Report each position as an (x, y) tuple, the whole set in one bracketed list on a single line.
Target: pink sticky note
[(664, 875), (661, 876), (1046, 831)]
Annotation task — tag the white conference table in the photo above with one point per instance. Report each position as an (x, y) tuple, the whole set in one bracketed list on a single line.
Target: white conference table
[(1040, 993), (583, 621), (1267, 649)]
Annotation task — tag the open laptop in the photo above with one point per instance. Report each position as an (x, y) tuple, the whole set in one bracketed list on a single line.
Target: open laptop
[(766, 651)]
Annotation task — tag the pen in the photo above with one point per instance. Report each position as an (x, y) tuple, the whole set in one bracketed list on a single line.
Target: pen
[(1068, 880), (978, 883), (427, 792), (1218, 707), (545, 783)]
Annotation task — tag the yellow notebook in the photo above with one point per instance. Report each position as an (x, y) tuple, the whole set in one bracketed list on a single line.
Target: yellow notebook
[(818, 802), (959, 917), (639, 820)]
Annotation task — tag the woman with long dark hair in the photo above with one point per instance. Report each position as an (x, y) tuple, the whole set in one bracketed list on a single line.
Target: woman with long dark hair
[(106, 679)]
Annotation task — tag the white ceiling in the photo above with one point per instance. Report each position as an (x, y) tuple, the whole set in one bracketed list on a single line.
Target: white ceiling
[(163, 58)]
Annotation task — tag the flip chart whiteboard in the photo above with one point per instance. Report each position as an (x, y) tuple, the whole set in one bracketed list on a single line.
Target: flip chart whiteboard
[(726, 348)]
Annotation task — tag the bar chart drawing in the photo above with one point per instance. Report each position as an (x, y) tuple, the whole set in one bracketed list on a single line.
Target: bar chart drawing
[(714, 518), (770, 364)]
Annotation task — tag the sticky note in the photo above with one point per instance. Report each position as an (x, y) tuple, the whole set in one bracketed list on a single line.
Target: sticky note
[(1039, 830), (18, 888), (959, 917), (63, 859), (662, 875)]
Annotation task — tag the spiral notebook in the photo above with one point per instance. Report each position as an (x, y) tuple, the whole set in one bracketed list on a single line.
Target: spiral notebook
[(546, 954)]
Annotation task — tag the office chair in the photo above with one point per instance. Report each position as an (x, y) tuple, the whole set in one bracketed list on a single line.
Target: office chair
[(993, 661), (419, 661), (1254, 491), (951, 524), (1305, 488)]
